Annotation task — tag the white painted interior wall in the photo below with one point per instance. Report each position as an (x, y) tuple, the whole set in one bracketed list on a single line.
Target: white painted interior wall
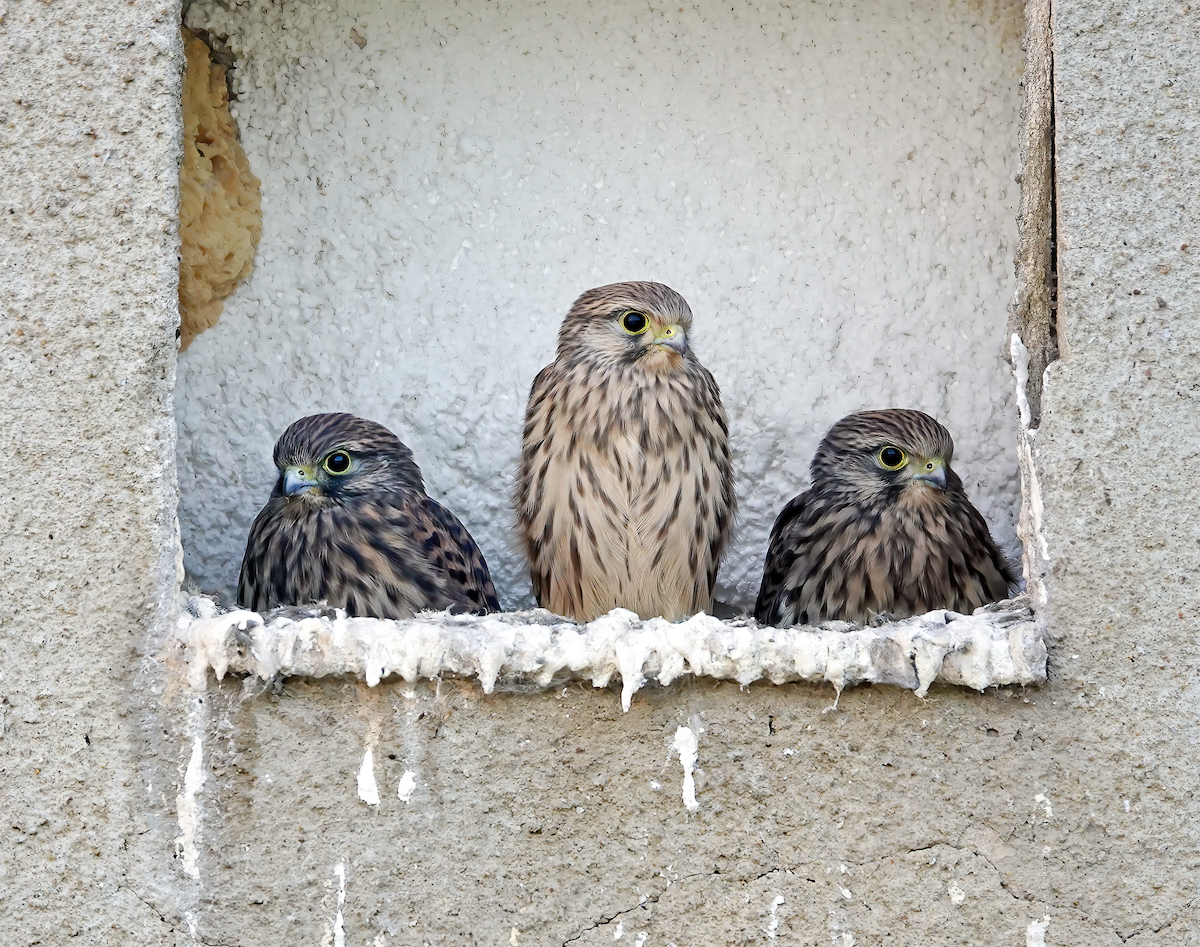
[(830, 185)]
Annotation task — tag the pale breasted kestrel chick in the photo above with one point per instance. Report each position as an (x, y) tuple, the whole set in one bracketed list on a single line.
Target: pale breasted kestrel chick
[(625, 490), (886, 528), (349, 523)]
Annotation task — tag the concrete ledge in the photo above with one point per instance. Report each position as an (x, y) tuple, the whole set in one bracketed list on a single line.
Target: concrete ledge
[(535, 649)]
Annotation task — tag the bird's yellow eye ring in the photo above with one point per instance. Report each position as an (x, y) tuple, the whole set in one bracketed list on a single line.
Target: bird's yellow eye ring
[(634, 322), (891, 458), (337, 463)]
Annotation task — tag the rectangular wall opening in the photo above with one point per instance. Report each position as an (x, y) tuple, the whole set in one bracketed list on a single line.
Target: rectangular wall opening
[(832, 186)]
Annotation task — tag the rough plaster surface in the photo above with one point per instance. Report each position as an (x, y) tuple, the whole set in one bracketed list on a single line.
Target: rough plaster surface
[(889, 821), (830, 185), (89, 114), (137, 810), (1117, 450)]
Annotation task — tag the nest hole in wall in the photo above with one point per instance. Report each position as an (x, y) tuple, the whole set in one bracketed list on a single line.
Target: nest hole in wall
[(831, 187)]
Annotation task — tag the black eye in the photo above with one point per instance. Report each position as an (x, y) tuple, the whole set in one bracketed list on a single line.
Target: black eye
[(634, 322), (893, 458), (338, 462)]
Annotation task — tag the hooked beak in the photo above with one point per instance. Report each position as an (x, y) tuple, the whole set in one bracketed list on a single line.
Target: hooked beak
[(932, 472), (673, 337), (298, 480)]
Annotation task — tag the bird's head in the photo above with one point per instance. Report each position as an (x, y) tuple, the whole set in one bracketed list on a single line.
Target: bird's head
[(896, 454), (646, 324), (330, 458)]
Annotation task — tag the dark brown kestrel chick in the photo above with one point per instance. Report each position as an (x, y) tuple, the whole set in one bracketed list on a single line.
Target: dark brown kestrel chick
[(886, 528), (349, 523)]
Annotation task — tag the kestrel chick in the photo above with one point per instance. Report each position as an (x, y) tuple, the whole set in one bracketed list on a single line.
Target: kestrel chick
[(625, 490), (349, 523), (885, 528)]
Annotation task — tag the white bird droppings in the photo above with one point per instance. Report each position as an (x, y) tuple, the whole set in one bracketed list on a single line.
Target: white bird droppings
[(687, 746), (185, 804), (368, 790), (408, 782), (339, 924), (1035, 933), (1001, 646), (772, 928)]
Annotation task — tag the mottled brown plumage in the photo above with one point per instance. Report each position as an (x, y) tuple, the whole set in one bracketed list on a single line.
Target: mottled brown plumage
[(625, 490), (349, 523), (886, 528)]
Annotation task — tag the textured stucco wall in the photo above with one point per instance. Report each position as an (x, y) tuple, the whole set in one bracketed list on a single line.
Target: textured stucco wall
[(1117, 455), (558, 817), (89, 119), (542, 818)]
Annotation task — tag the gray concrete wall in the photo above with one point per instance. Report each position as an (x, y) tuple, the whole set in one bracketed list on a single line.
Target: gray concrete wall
[(552, 817), (89, 144)]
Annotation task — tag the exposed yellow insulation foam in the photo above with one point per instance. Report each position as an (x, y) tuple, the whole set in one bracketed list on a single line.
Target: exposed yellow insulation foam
[(220, 209)]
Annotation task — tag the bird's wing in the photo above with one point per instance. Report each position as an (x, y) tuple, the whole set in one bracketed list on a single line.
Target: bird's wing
[(983, 559), (528, 494), (251, 592), (791, 526), (269, 563), (453, 556), (724, 495)]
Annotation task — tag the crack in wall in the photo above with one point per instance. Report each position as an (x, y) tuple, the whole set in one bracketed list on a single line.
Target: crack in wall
[(798, 871), (1045, 907), (649, 899), (162, 917), (1162, 927), (172, 928)]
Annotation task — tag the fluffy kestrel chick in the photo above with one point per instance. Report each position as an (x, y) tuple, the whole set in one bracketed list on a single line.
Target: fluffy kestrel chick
[(625, 490), (885, 528), (349, 523)]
